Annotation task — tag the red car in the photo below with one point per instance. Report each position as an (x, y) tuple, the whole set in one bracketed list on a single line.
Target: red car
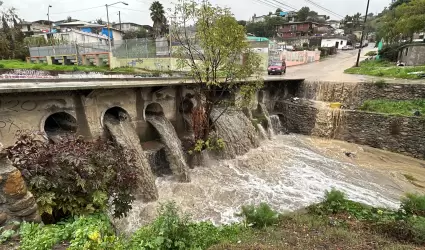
[(277, 68)]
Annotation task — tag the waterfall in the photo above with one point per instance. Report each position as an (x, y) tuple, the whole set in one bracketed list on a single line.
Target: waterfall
[(328, 122), (276, 124), (262, 132), (236, 130), (173, 148), (124, 134), (263, 110)]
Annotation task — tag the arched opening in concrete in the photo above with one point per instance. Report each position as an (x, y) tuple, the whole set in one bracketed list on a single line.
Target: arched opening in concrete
[(150, 133), (154, 109), (116, 114), (60, 123)]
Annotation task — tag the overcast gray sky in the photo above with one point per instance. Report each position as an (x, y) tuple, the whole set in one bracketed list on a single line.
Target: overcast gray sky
[(138, 10)]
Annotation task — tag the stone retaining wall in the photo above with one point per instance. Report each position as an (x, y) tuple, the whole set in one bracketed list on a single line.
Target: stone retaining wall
[(398, 134), (16, 203), (352, 95)]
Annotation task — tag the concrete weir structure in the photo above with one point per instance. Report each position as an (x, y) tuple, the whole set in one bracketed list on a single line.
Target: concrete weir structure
[(79, 105), (51, 106)]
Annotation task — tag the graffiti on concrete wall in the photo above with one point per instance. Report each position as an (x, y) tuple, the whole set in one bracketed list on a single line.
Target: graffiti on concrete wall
[(25, 73)]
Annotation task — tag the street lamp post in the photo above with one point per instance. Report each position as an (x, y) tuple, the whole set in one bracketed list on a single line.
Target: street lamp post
[(364, 27), (109, 28), (48, 18)]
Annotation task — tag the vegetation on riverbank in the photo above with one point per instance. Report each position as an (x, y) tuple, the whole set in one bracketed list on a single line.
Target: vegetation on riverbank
[(395, 107), (17, 64), (385, 69), (335, 223)]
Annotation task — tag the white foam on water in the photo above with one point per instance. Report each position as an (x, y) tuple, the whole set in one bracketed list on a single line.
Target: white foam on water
[(284, 173)]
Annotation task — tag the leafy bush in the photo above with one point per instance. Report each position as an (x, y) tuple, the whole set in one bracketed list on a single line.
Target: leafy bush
[(1, 66), (335, 201), (92, 232), (259, 217), (414, 204), (417, 229), (390, 52), (74, 177), (171, 230), (371, 53)]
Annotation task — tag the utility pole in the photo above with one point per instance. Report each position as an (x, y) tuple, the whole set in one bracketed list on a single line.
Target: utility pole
[(48, 18), (109, 25), (363, 31), (119, 16)]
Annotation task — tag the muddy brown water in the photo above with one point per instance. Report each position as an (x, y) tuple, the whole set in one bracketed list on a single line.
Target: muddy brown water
[(288, 172)]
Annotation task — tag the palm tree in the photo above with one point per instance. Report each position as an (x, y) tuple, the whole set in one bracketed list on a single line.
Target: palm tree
[(158, 18)]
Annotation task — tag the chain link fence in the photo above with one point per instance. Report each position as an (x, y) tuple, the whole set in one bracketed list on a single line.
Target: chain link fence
[(133, 48)]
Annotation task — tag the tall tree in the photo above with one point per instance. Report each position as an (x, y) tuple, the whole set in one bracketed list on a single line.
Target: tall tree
[(303, 13), (397, 3), (219, 58), (11, 37), (158, 18), (278, 10), (242, 22)]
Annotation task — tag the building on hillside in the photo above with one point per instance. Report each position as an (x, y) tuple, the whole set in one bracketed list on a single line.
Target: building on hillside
[(334, 24), (358, 34), (335, 41), (299, 29), (412, 54), (287, 16), (91, 28), (125, 27), (36, 27)]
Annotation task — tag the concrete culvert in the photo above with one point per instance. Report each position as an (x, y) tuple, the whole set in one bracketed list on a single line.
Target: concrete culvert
[(186, 106), (60, 123), (117, 114), (154, 109)]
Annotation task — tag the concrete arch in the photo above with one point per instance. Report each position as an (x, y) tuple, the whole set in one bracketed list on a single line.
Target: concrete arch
[(58, 123), (153, 108), (117, 112)]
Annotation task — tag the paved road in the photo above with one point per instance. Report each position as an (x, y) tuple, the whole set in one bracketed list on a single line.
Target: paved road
[(330, 69)]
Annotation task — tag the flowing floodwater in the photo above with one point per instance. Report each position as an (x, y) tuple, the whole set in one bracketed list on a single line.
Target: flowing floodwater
[(288, 173), (124, 134), (236, 130), (173, 148)]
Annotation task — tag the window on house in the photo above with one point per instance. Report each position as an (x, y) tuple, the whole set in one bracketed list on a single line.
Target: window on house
[(407, 50), (293, 27), (342, 42)]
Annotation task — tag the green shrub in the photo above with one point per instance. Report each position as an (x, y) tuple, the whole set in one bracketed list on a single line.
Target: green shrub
[(371, 53), (335, 201), (1, 66), (93, 232), (390, 52), (417, 229), (171, 230), (74, 177), (260, 216), (414, 204)]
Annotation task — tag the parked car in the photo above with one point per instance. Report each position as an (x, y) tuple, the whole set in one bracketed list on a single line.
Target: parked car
[(357, 45), (277, 68), (347, 47)]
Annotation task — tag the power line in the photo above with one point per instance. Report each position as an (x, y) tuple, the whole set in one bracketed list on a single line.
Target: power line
[(266, 3), (324, 9), (72, 11), (283, 4), (128, 9)]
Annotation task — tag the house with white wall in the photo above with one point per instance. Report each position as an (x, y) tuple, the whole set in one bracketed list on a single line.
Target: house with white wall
[(335, 41)]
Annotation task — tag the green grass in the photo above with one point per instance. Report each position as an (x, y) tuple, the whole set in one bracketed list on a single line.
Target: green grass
[(385, 69), (16, 64), (335, 223), (405, 107)]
